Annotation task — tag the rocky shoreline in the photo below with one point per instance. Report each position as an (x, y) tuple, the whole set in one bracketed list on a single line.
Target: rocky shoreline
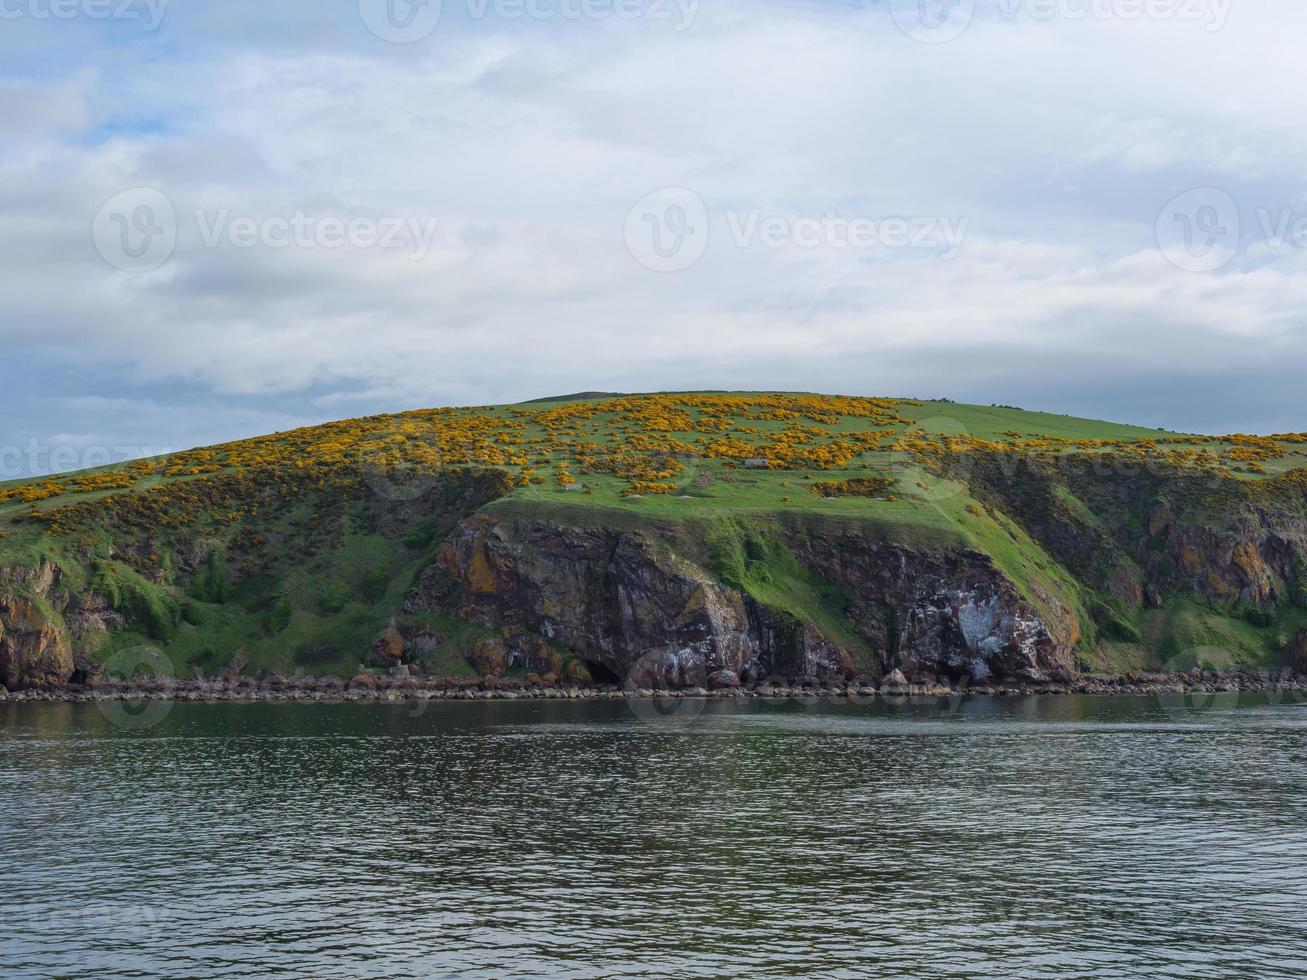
[(369, 687)]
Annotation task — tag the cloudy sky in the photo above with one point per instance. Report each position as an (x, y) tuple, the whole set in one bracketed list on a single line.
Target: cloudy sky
[(227, 219)]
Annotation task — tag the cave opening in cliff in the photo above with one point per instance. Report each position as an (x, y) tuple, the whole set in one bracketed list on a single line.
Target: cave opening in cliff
[(601, 674)]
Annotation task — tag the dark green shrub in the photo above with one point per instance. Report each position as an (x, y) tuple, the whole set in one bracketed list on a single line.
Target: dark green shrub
[(212, 583), (193, 612), (420, 535), (1297, 582), (373, 585), (333, 597), (277, 618), (1113, 624), (1260, 618)]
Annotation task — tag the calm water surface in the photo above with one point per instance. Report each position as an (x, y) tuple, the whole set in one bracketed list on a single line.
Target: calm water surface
[(1054, 837)]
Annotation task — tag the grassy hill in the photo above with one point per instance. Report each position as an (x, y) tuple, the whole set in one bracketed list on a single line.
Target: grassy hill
[(293, 550)]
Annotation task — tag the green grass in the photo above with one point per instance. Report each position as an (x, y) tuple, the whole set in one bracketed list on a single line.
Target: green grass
[(746, 557), (986, 422), (737, 489), (1186, 632)]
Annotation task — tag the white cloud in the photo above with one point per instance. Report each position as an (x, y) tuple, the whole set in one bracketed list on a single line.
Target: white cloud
[(1057, 142)]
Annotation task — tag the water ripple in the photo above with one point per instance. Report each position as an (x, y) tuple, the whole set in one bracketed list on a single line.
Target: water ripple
[(1065, 837)]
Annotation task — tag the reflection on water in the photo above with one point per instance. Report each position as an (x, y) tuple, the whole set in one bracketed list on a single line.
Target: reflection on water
[(1027, 837)]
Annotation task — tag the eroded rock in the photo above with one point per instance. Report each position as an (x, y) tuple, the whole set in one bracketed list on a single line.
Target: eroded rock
[(34, 649), (641, 606)]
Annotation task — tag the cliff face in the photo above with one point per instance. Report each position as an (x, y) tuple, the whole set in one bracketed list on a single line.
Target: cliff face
[(33, 651), (1141, 533), (48, 634), (955, 612), (645, 603), (1247, 560), (592, 593)]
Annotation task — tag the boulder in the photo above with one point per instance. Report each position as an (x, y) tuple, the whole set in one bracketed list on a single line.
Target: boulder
[(389, 647), (894, 683), (723, 680), (236, 664), (490, 657)]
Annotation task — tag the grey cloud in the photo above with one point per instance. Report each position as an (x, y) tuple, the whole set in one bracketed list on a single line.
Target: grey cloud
[(529, 144)]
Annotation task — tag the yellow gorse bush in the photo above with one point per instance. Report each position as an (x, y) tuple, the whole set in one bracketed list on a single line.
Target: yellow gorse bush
[(644, 440)]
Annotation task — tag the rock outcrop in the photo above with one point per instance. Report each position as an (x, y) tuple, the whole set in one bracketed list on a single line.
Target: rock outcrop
[(1298, 653), (580, 595), (47, 634), (956, 613), (34, 651), (642, 604), (1138, 533)]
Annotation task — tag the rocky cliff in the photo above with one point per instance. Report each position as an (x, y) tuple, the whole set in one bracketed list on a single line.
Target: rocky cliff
[(1031, 571), (655, 602), (1137, 534), (48, 634)]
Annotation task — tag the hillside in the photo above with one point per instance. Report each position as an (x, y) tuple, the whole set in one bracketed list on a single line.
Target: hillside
[(668, 537)]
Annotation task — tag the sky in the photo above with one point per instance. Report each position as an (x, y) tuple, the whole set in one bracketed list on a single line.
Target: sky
[(221, 220)]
